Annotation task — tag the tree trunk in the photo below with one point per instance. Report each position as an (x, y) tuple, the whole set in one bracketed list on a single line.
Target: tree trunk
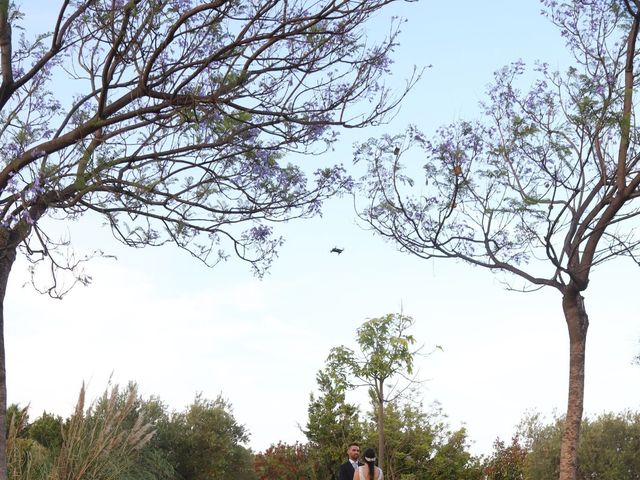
[(380, 395), (7, 257), (577, 323)]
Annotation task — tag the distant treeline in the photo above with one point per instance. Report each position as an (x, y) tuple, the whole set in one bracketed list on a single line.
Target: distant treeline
[(122, 436)]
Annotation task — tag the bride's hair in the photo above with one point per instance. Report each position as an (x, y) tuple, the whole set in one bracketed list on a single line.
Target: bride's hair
[(370, 459)]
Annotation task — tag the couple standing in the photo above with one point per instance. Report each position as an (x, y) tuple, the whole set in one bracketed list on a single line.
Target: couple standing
[(353, 469)]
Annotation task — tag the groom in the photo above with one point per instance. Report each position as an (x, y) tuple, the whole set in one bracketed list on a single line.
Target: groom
[(348, 468)]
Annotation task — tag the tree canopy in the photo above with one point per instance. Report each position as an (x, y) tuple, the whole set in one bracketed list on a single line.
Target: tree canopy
[(172, 119)]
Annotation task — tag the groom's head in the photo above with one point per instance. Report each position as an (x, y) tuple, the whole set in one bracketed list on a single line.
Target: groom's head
[(353, 451)]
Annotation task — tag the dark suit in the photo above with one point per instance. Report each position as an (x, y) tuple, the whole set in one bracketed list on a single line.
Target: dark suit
[(347, 471)]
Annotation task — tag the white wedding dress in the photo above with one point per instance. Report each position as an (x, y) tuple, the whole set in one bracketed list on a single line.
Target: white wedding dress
[(361, 472)]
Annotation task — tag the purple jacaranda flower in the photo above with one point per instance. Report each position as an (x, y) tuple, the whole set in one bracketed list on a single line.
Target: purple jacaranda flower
[(262, 155), (26, 216), (260, 233)]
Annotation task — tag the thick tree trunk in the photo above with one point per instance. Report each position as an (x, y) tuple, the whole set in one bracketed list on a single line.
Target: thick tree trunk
[(577, 323), (7, 257)]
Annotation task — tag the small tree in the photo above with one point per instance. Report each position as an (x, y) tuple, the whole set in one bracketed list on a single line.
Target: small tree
[(205, 442), (171, 118), (507, 462), (384, 364), (453, 459), (545, 187), (285, 462)]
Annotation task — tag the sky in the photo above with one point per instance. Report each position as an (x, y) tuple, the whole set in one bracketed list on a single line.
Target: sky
[(177, 328)]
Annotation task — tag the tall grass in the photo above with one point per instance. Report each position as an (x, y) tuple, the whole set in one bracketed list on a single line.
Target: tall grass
[(26, 458), (99, 443)]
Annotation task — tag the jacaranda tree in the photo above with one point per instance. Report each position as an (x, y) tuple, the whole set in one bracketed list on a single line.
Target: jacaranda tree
[(171, 119), (543, 187)]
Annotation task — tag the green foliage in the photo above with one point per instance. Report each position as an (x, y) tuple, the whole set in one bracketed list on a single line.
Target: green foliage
[(26, 459), (332, 424), (385, 342), (47, 431), (123, 437), (543, 442), (97, 443), (608, 448), (452, 460), (203, 443), (419, 444), (151, 463), (385, 351), (411, 438), (386, 354)]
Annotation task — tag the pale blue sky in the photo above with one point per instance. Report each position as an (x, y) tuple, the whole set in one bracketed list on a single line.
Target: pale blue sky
[(162, 319)]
